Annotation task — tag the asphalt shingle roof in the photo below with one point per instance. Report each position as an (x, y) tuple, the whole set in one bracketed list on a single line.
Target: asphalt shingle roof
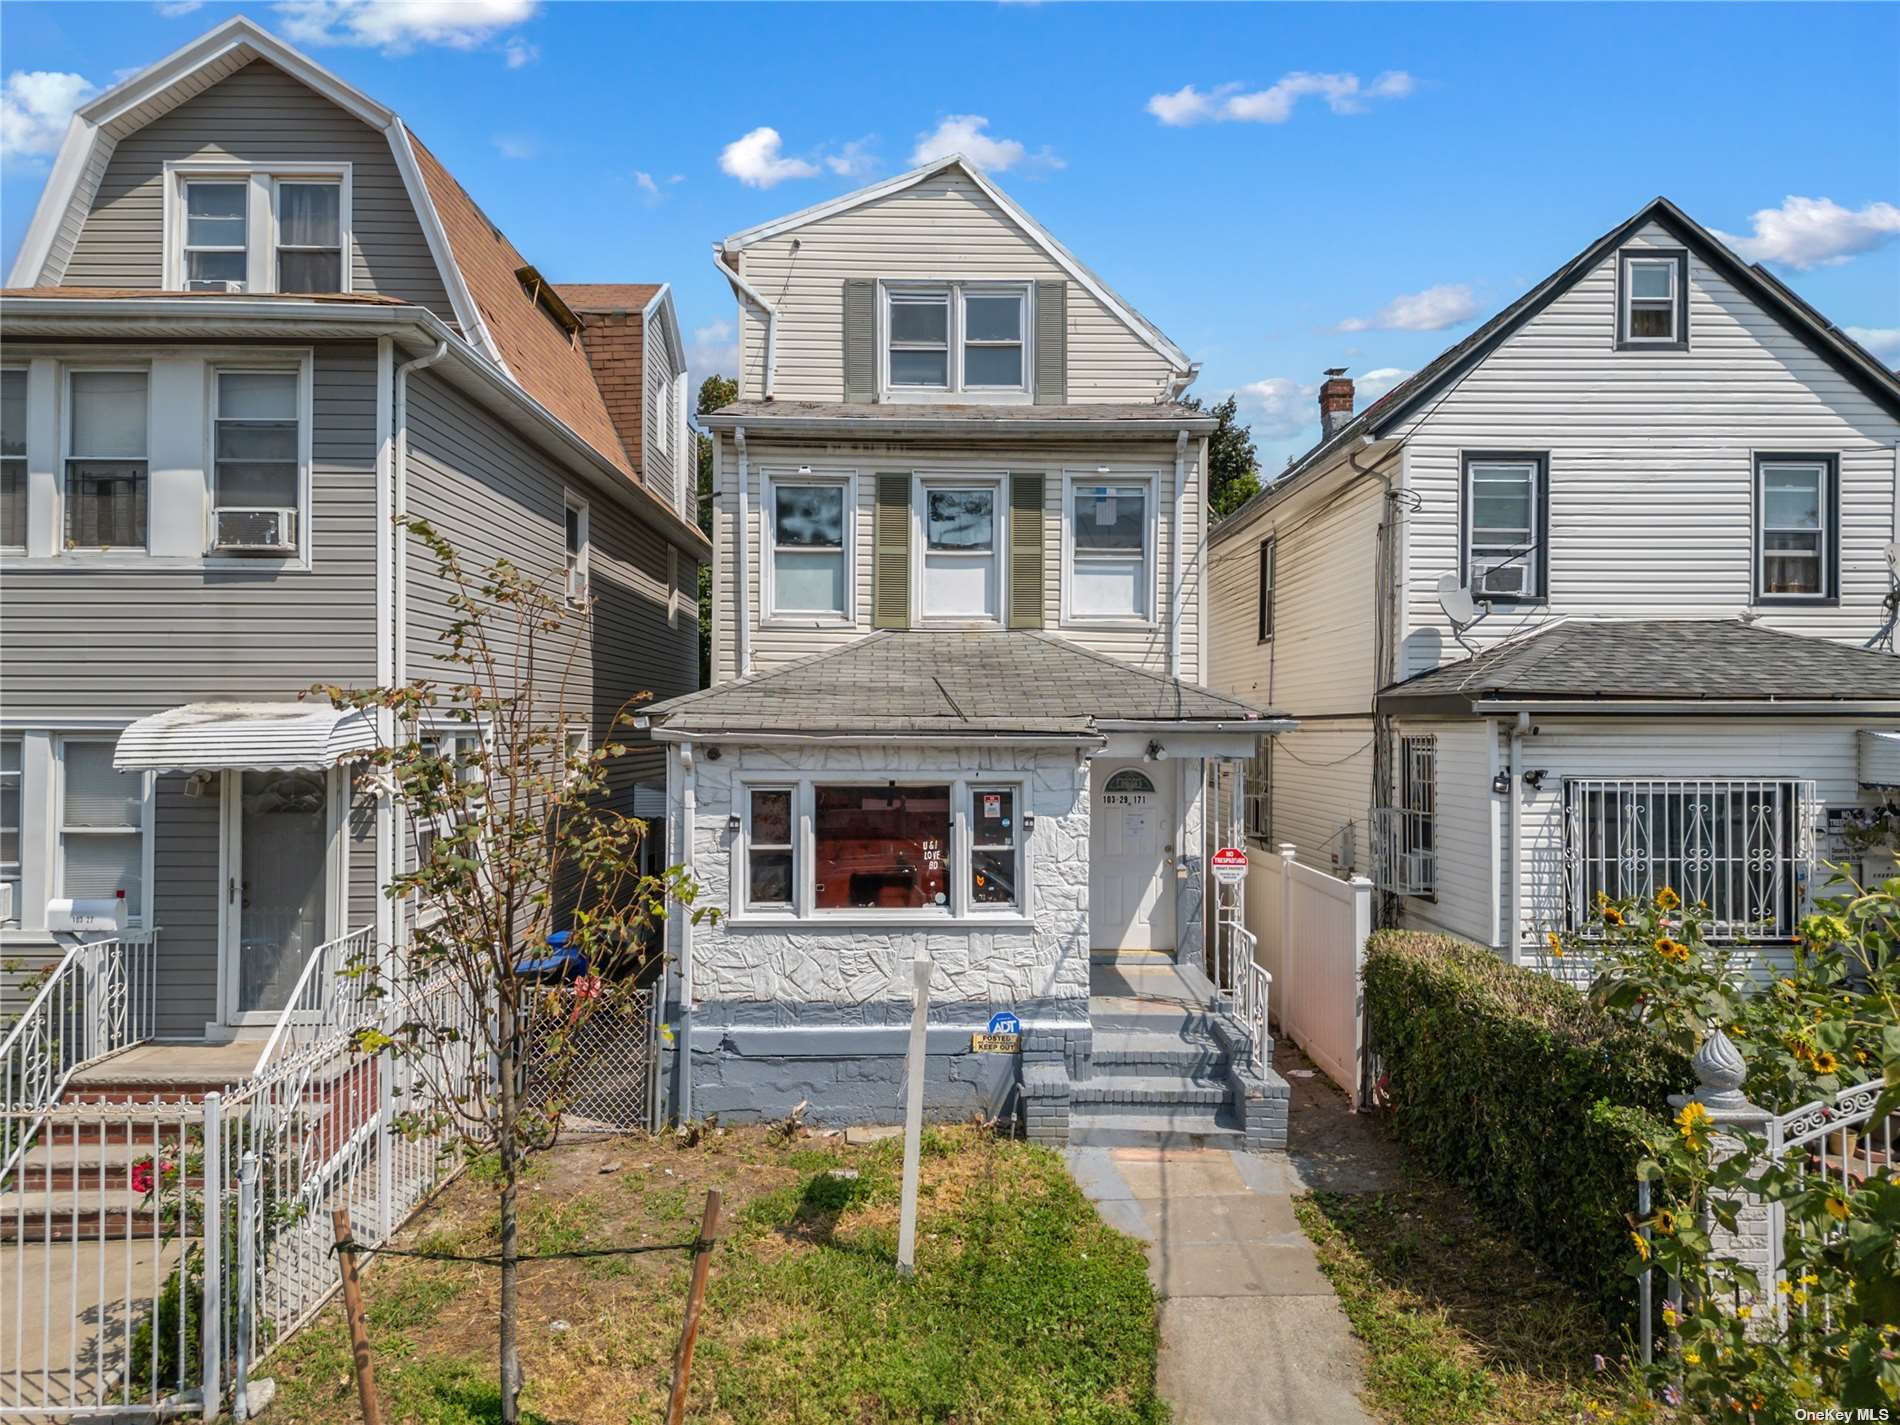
[(954, 681), (1171, 414), (1668, 659)]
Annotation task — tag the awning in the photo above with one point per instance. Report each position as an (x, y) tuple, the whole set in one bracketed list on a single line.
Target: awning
[(215, 737)]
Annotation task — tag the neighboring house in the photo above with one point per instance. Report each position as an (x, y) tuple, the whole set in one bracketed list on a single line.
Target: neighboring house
[(1589, 604), (957, 635), (253, 320)]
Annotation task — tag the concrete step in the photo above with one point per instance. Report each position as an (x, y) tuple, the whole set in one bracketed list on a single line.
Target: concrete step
[(1138, 1094), (1125, 1053), (1149, 1016), (1176, 1128), (1131, 957)]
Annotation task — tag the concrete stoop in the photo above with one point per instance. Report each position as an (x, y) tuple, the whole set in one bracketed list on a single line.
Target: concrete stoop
[(1162, 1069)]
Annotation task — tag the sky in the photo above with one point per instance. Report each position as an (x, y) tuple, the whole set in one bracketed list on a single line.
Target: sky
[(1280, 188)]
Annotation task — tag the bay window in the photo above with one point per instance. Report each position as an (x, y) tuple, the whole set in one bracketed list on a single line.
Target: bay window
[(950, 339), (106, 459), (809, 539), (1797, 525), (962, 548), (1111, 551), (102, 819)]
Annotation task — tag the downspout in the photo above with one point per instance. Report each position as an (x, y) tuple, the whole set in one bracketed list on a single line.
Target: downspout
[(742, 592), (400, 503), (752, 295), (1515, 928), (688, 824), (385, 850), (1180, 582)]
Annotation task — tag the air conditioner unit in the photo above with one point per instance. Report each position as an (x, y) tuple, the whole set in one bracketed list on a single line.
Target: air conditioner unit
[(216, 284), (576, 583), (256, 531), (1417, 870)]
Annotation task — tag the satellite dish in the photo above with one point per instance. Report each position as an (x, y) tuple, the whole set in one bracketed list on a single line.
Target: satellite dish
[(1455, 599)]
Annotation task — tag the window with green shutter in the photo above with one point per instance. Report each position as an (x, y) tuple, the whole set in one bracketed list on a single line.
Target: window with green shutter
[(1025, 550), (890, 567)]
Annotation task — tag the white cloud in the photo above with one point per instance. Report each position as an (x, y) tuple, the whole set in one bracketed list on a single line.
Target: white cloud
[(1375, 383), (398, 26), (1883, 342), (1816, 232), (756, 161), (519, 52), (1232, 103), (713, 351), (1434, 309), (172, 9), (650, 191), (35, 107), (516, 146), (963, 133), (854, 160), (1279, 406)]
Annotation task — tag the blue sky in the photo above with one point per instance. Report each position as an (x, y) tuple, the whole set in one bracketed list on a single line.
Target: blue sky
[(1340, 185)]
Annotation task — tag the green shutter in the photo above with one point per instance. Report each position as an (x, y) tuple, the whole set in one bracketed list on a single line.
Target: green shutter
[(1052, 343), (860, 341), (1025, 551), (890, 566)]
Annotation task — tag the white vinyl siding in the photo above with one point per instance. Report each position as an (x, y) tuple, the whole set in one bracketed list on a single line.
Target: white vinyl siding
[(943, 228), (1466, 827)]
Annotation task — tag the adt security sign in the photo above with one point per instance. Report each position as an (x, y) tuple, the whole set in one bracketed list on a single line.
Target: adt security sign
[(1230, 865), (1003, 1022)]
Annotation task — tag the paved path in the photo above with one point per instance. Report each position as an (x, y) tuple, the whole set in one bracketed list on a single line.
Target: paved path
[(1251, 1333)]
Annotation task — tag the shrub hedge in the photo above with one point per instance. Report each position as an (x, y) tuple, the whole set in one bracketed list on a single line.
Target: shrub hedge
[(1507, 1082)]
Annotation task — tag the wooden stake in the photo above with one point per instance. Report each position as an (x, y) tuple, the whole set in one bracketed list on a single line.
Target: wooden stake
[(353, 1309), (689, 1328)]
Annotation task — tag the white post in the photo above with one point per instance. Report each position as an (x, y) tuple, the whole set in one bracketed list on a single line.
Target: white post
[(1361, 932), (211, 1325), (246, 1285), (1287, 852), (387, 1217), (921, 968)]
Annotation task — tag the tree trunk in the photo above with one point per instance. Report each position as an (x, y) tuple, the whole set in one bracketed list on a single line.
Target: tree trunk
[(507, 1147)]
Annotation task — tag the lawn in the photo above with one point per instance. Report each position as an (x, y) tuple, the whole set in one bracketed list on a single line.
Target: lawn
[(1025, 1306)]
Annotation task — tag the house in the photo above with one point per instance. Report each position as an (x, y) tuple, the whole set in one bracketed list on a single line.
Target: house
[(955, 705), (1601, 599), (253, 321)]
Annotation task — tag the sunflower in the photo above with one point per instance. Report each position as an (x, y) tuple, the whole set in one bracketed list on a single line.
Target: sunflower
[(1694, 1122), (1667, 899), (1672, 950), (1642, 1245), (1555, 942), (1612, 916), (1838, 1208), (1664, 1221), (1825, 1062)]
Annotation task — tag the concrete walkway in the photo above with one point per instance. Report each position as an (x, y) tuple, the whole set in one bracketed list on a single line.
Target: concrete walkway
[(1251, 1333)]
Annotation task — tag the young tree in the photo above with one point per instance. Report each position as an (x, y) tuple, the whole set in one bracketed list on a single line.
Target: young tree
[(1233, 467), (508, 810)]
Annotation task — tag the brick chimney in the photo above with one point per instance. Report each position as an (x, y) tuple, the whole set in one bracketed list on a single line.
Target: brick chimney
[(1335, 401), (612, 336)]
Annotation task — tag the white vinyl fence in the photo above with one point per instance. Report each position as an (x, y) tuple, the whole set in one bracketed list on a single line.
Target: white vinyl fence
[(1312, 928)]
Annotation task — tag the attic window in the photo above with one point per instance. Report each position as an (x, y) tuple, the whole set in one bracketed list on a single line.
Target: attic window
[(1652, 309), (548, 302)]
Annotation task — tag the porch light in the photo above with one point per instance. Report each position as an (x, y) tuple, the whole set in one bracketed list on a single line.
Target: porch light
[(1534, 779), (1156, 753), (1501, 784), (732, 824)]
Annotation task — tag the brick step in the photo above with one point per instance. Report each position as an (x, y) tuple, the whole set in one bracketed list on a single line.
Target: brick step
[(1177, 1128), (1140, 1056), (1139, 1094), (62, 1167), (1151, 1017)]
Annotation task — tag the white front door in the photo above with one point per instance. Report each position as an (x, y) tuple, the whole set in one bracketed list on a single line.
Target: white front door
[(276, 887), (1131, 857)]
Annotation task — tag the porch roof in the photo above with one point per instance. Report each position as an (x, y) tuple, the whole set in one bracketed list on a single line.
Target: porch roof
[(1701, 664), (214, 737), (930, 682)]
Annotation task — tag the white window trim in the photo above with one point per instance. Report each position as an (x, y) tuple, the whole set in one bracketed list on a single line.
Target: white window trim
[(60, 831), (927, 480), (66, 455), (17, 777), (303, 366), (26, 458), (260, 225), (956, 391), (1760, 462), (1526, 559), (1072, 479), (580, 577), (958, 914), (769, 481)]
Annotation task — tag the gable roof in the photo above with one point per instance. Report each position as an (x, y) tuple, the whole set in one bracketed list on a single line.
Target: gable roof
[(476, 261), (1828, 341), (1035, 231), (1690, 661), (937, 682)]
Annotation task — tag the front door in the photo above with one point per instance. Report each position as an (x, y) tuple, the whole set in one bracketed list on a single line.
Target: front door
[(1131, 857), (277, 834)]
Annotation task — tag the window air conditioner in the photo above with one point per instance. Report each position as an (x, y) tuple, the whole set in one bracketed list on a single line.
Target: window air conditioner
[(214, 284), (1417, 870), (256, 531)]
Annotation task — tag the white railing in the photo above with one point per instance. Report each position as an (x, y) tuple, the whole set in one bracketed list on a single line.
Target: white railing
[(1742, 847), (1251, 987), (1403, 859), (337, 990), (100, 998)]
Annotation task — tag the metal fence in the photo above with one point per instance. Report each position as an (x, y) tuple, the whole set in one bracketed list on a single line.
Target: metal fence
[(606, 1070), (1231, 951)]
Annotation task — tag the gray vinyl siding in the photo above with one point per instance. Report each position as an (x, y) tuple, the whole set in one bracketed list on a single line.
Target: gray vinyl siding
[(257, 115), (185, 908), (131, 641)]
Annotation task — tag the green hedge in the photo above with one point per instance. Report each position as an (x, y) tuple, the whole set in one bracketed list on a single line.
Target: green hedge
[(1508, 1083)]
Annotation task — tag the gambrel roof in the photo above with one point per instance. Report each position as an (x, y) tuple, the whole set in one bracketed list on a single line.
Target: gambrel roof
[(729, 248), (1383, 416)]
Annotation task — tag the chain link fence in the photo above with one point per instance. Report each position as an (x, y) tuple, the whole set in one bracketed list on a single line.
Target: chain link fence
[(611, 1067)]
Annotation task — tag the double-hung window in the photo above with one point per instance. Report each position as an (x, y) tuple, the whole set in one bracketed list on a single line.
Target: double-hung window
[(281, 228), (102, 827), (1797, 526), (1111, 551), (309, 236), (11, 771), (962, 577), (106, 471), (1265, 612), (956, 339), (575, 534), (810, 538), (13, 458), (1257, 798), (1653, 299), (771, 859), (257, 461), (1505, 559), (217, 236)]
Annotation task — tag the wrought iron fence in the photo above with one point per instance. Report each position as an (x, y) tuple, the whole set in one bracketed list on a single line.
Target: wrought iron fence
[(1404, 860), (1742, 848), (336, 989)]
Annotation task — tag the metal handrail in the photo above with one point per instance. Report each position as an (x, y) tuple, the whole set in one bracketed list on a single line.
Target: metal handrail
[(313, 998)]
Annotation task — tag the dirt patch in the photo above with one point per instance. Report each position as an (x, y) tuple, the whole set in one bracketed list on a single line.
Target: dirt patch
[(1331, 1146)]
